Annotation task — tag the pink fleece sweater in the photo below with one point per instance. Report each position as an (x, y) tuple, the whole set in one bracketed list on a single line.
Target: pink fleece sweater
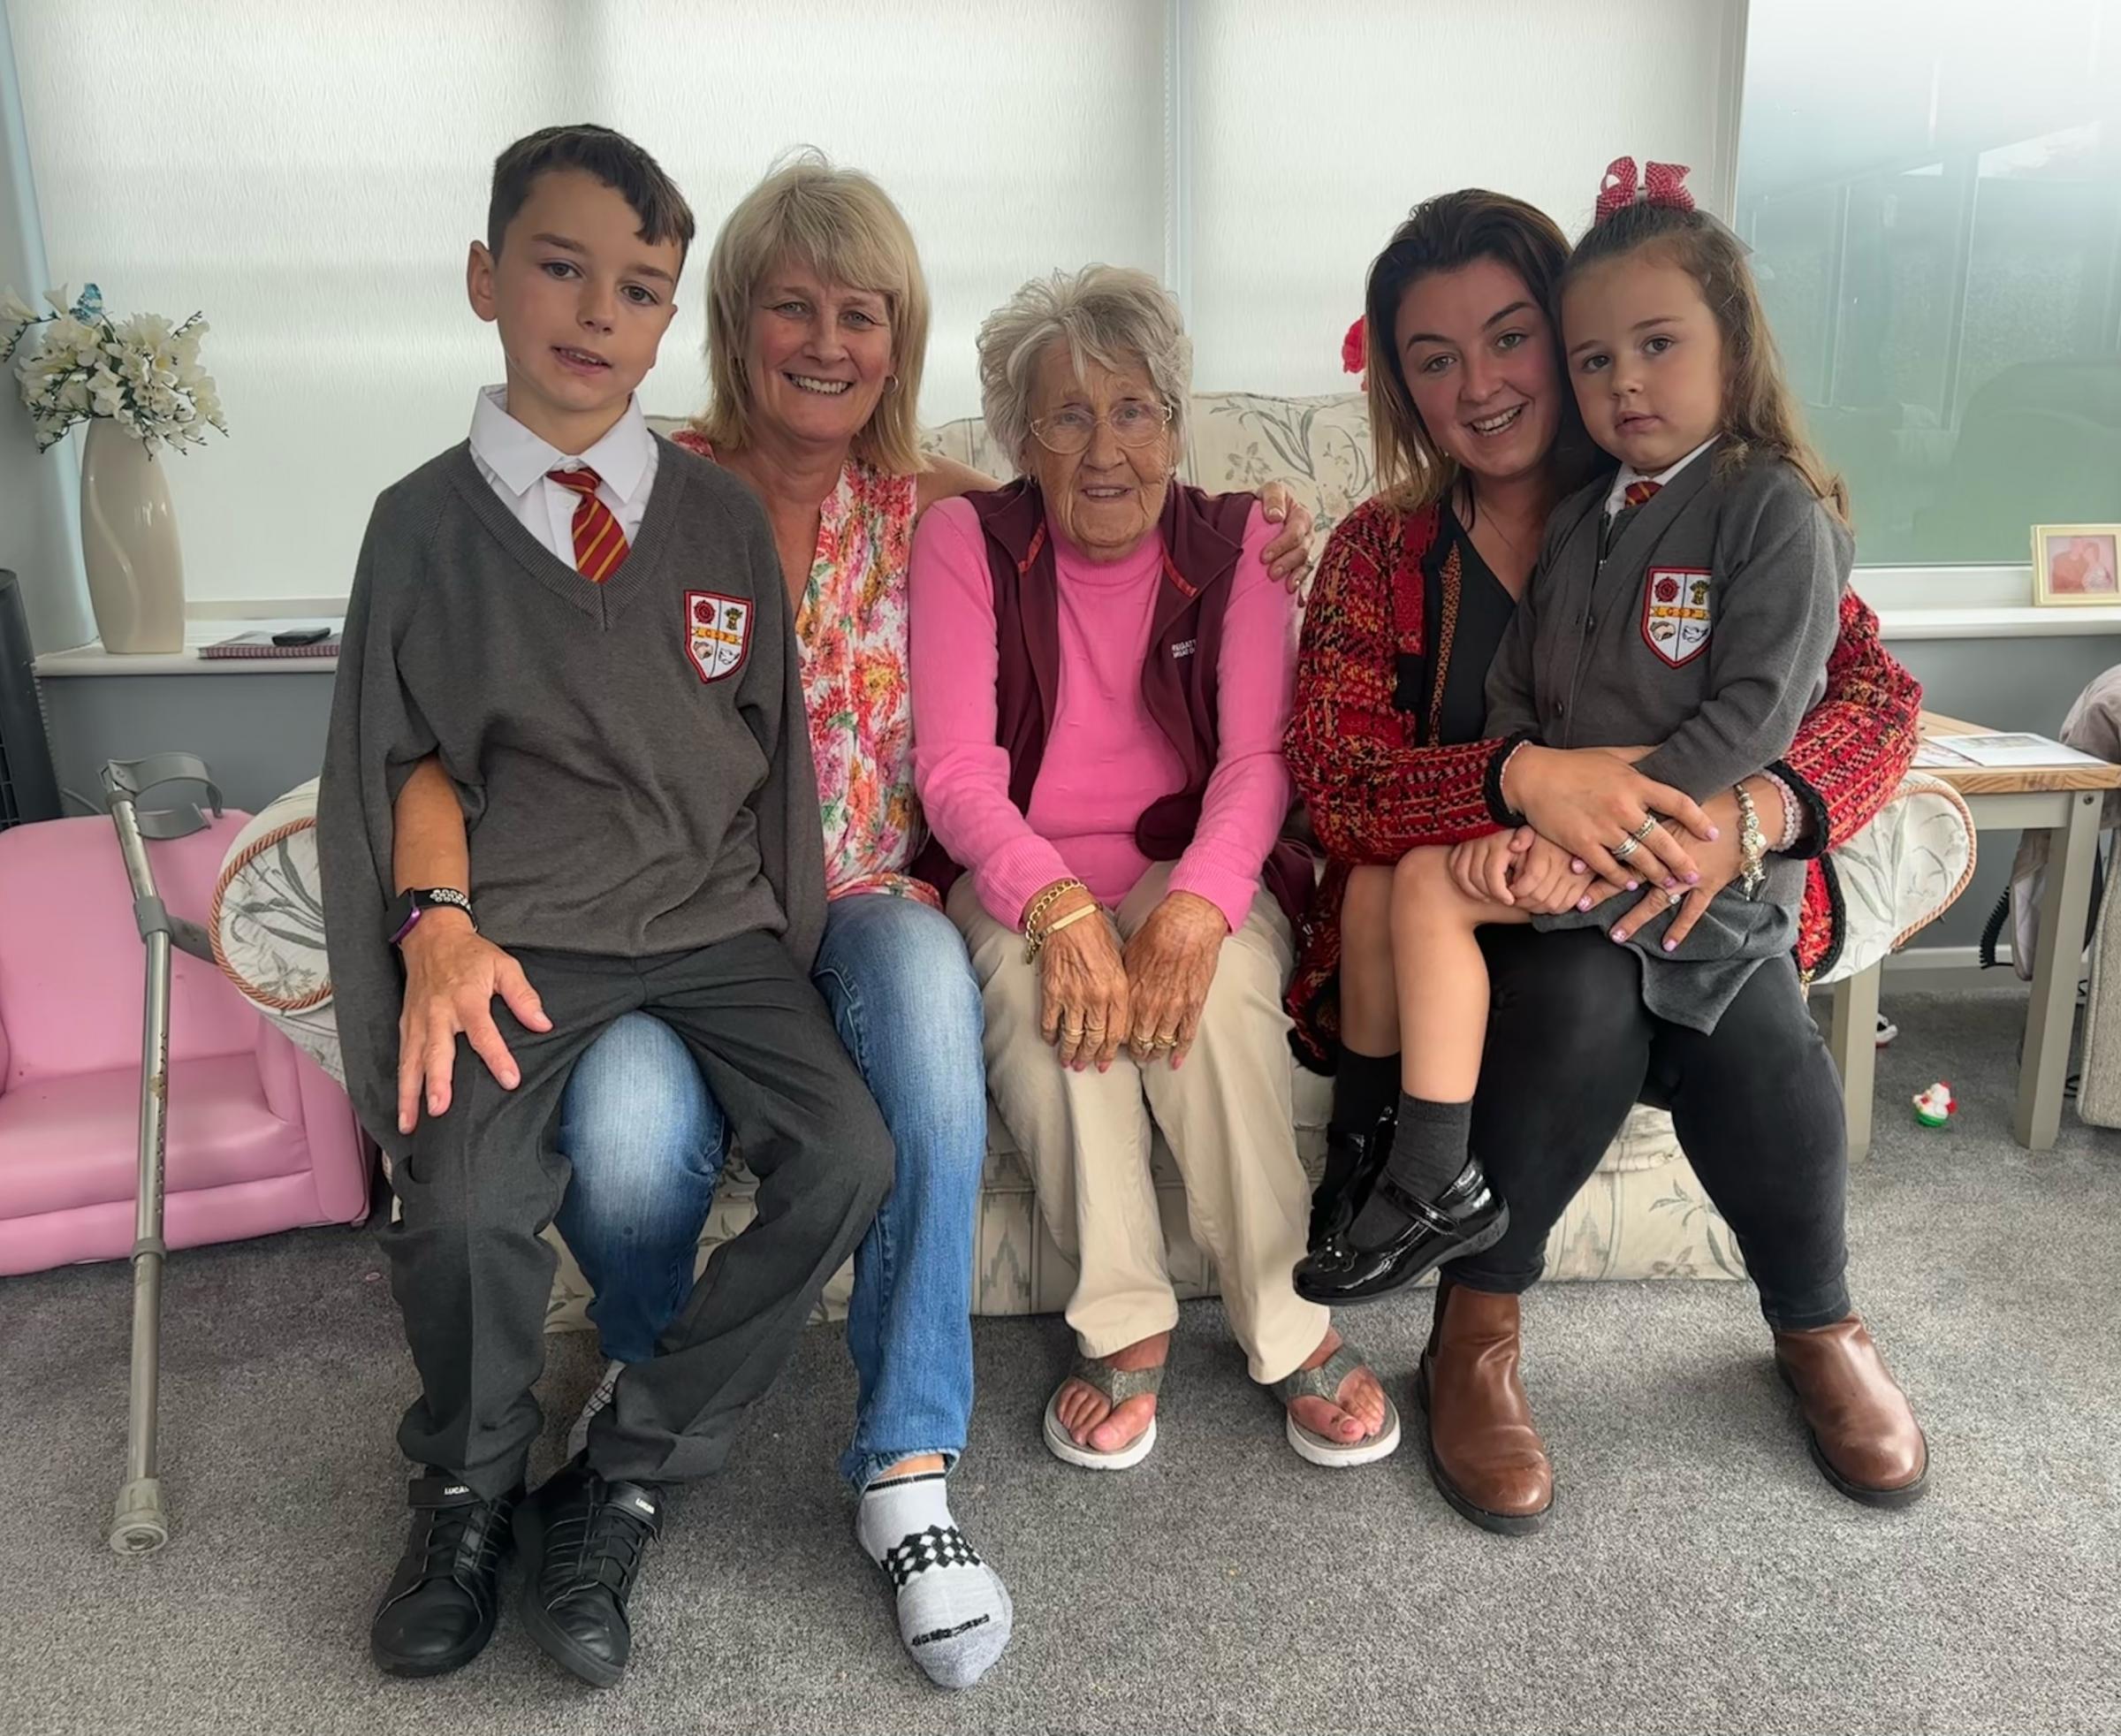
[(1106, 760)]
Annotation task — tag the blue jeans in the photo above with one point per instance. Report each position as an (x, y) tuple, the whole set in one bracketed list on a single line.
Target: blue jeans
[(647, 1141)]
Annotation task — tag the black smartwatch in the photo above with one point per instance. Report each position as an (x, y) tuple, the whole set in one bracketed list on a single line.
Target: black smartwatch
[(409, 907)]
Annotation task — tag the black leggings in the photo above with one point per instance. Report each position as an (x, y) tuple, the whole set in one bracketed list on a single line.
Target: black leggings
[(1756, 1106)]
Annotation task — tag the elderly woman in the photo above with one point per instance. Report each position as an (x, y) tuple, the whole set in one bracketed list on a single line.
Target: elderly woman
[(1102, 670), (1477, 438), (817, 330)]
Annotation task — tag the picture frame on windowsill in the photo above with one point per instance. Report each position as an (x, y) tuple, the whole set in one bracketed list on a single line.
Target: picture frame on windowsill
[(2076, 566)]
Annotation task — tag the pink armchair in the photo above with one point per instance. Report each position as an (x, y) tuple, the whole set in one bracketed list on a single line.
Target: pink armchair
[(258, 1139)]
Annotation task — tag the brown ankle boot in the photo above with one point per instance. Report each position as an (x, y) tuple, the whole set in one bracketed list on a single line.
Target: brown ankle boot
[(1864, 1435), (1484, 1455)]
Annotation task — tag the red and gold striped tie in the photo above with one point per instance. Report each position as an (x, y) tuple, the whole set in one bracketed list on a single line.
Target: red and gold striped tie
[(1636, 494), (600, 546)]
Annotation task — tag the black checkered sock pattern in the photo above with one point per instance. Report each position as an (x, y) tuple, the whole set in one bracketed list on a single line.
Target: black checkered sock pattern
[(953, 1611)]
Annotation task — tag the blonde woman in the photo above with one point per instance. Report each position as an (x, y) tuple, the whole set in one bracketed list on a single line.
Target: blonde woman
[(817, 330)]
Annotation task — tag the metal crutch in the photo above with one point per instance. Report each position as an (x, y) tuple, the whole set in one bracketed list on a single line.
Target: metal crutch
[(142, 1524)]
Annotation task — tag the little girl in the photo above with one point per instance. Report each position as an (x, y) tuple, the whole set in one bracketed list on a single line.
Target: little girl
[(1689, 602)]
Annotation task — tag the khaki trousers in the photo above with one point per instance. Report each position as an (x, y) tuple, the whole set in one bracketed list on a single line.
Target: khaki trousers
[(1227, 1115)]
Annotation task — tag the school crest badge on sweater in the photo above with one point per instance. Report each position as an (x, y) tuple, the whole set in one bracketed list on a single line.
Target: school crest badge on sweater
[(718, 633), (1677, 613)]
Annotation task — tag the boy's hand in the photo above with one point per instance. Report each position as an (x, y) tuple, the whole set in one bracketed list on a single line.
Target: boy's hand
[(1482, 868), (450, 978)]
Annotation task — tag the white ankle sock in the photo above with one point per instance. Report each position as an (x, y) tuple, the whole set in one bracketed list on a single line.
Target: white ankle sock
[(953, 1611), (578, 1436)]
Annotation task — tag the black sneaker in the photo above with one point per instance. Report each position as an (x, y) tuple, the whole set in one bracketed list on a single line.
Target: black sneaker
[(1470, 1217), (583, 1538), (442, 1603)]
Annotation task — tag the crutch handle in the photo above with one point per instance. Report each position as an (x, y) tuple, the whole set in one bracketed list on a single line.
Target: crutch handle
[(127, 780)]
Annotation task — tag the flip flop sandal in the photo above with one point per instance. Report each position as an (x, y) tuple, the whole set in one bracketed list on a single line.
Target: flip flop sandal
[(1118, 1385), (1324, 1382)]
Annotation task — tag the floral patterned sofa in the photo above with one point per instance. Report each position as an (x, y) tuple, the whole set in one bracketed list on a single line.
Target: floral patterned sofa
[(1642, 1215)]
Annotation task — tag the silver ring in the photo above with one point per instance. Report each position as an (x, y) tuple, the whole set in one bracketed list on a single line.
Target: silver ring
[(1624, 849), (1672, 900), (1644, 830)]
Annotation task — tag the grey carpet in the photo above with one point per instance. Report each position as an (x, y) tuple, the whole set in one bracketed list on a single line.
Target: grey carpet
[(1699, 1575)]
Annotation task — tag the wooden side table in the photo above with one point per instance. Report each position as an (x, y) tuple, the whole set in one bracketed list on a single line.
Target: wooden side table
[(2065, 802)]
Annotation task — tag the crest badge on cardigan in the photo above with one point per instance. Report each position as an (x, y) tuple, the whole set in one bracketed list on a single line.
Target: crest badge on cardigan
[(1677, 613), (718, 633)]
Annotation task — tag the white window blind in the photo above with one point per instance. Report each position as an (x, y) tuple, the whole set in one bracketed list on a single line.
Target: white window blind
[(310, 176)]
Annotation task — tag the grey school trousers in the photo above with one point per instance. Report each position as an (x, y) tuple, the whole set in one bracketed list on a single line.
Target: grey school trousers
[(472, 1276)]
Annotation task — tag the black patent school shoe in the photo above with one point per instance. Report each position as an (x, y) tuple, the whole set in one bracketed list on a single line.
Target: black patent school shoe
[(1353, 1161), (1468, 1218), (442, 1603), (583, 1540)]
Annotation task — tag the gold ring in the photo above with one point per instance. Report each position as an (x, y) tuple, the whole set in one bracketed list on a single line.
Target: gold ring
[(1644, 830), (1165, 1043)]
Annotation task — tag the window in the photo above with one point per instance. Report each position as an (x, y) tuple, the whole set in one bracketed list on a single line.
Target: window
[(1933, 192), (309, 177)]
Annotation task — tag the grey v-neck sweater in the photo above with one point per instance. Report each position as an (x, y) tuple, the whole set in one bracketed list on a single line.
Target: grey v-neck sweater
[(1703, 630), (633, 758)]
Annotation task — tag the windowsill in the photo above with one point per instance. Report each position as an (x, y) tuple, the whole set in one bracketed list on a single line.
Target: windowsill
[(2013, 621), (92, 660)]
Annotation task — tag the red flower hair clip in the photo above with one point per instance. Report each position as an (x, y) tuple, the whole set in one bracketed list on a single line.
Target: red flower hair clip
[(1354, 352), (1660, 184)]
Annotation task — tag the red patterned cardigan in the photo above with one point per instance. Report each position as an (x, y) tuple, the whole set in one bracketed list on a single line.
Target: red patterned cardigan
[(1374, 792)]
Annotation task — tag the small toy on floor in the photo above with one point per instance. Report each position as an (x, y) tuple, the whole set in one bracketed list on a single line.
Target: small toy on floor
[(1934, 1106)]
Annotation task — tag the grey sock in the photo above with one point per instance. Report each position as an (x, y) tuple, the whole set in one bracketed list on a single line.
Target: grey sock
[(1429, 1148), (953, 1611)]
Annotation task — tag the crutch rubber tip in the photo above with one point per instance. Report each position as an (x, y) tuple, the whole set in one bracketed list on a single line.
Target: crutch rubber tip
[(141, 1526)]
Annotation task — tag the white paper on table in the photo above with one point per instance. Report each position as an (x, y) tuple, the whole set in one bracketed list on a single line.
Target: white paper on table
[(1931, 752), (2005, 750)]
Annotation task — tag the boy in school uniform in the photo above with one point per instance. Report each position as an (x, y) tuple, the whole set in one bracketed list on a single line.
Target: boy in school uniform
[(589, 629)]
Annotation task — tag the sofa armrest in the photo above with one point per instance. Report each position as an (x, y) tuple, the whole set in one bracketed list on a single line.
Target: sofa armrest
[(1901, 873)]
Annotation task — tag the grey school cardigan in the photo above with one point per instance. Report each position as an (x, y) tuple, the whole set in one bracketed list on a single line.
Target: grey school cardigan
[(633, 758), (1704, 630)]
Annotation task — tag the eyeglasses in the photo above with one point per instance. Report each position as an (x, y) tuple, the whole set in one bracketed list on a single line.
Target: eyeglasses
[(1133, 425)]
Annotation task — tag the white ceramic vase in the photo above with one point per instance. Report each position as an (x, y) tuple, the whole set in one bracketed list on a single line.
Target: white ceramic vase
[(129, 541)]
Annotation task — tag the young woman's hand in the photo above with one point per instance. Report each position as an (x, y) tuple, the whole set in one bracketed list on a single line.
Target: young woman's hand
[(1719, 863), (1591, 801), (1288, 556)]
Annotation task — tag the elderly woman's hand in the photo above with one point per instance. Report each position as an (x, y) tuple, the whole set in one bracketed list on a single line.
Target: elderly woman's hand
[(1592, 801), (1083, 987), (1719, 863), (1170, 963), (1288, 556)]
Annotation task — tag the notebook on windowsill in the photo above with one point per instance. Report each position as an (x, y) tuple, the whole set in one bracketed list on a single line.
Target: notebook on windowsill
[(260, 644)]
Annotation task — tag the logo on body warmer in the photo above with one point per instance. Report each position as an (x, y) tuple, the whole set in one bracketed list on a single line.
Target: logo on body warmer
[(718, 633), (1677, 613)]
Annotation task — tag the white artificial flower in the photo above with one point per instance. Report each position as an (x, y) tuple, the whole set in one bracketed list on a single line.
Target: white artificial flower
[(59, 298), (107, 394), (15, 311)]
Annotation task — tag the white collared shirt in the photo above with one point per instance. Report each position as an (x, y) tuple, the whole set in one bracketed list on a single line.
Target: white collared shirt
[(1628, 474), (515, 461)]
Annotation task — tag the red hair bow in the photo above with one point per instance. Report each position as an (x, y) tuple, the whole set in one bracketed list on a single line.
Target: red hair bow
[(1662, 184), (1354, 356)]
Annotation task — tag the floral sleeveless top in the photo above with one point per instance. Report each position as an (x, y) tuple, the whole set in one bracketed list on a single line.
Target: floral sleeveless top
[(851, 635)]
